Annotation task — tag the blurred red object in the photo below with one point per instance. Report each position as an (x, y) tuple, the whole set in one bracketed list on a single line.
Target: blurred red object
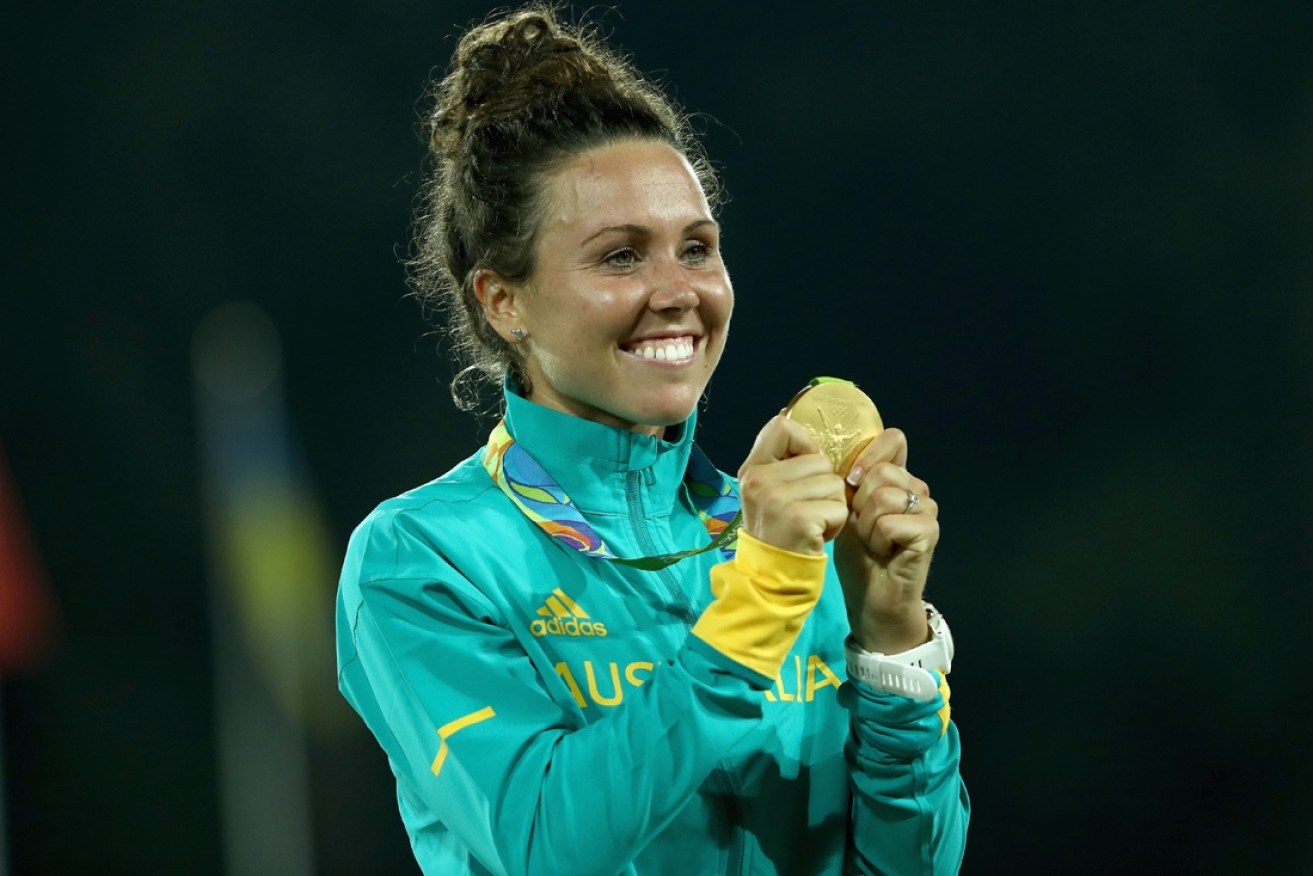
[(28, 620)]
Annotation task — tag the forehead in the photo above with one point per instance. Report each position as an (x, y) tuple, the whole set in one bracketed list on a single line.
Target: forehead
[(634, 182)]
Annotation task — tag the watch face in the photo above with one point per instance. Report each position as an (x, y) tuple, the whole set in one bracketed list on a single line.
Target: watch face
[(839, 417), (939, 627)]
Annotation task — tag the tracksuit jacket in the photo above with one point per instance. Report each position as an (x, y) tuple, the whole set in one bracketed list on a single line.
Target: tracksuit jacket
[(546, 712)]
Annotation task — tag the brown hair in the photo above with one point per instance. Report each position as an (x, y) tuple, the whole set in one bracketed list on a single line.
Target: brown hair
[(524, 93)]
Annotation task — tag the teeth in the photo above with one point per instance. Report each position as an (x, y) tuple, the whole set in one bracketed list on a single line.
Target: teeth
[(667, 350)]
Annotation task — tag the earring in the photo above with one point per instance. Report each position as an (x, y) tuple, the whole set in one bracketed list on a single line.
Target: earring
[(519, 334)]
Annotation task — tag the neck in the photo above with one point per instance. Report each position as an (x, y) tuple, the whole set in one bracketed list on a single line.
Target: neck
[(596, 415)]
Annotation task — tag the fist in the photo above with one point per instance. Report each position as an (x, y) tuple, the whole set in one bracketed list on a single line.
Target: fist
[(791, 497), (883, 557)]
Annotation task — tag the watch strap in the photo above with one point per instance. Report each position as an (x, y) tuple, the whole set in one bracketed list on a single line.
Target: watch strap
[(886, 676), (907, 673)]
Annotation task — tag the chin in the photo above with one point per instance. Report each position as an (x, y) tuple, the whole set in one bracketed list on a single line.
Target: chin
[(669, 414)]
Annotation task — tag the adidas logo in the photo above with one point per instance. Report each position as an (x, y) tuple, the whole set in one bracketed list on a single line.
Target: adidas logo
[(564, 617)]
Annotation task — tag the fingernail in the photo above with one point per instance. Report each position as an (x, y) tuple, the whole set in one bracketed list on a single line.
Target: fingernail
[(854, 476)]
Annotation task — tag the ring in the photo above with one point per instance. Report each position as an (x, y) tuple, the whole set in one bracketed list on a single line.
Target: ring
[(912, 501)]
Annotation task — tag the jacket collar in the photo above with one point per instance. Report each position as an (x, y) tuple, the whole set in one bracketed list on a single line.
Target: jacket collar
[(592, 461)]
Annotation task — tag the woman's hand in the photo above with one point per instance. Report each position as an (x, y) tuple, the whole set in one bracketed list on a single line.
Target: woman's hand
[(883, 554), (792, 498)]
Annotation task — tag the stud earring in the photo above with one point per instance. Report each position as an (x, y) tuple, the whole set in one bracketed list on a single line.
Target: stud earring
[(519, 334)]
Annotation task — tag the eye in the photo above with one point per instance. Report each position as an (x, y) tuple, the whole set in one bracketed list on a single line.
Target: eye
[(698, 252), (626, 257)]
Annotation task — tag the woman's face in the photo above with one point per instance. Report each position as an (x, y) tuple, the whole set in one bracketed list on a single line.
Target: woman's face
[(629, 303)]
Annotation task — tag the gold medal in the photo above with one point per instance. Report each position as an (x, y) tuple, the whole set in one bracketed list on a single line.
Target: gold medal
[(840, 417)]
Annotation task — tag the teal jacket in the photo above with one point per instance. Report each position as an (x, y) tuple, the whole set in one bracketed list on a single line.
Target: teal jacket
[(546, 712)]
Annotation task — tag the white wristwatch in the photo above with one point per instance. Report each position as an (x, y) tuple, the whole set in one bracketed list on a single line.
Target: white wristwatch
[(908, 673)]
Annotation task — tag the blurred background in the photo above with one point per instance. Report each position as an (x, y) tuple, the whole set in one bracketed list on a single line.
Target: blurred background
[(1068, 248)]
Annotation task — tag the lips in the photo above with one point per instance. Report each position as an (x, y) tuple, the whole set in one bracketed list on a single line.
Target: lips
[(678, 348)]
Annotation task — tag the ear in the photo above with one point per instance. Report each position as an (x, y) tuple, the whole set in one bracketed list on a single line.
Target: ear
[(499, 301)]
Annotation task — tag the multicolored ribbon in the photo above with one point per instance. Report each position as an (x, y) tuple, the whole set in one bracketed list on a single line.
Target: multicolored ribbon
[(541, 498)]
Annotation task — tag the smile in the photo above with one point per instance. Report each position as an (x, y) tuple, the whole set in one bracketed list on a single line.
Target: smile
[(678, 349)]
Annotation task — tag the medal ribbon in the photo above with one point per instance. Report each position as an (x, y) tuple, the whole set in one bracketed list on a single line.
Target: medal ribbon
[(543, 501)]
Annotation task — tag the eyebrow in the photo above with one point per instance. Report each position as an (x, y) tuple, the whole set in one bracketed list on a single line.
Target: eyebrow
[(644, 231)]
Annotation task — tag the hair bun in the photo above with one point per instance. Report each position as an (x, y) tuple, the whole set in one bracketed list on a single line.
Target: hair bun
[(503, 68)]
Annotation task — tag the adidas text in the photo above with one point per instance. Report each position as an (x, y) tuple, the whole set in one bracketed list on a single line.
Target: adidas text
[(567, 627)]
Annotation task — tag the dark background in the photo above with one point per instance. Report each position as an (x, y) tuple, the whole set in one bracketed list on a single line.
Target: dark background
[(1067, 247)]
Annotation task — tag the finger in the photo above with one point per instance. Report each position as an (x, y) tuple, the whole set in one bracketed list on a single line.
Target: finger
[(836, 518), (832, 514), (791, 480), (758, 480), (894, 500), (801, 526), (910, 532), (885, 475), (780, 439), (889, 446), (884, 531)]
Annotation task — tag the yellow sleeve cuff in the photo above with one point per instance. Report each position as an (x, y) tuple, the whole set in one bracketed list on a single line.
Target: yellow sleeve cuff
[(762, 598)]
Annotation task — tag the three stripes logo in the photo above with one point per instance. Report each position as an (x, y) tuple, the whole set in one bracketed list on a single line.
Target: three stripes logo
[(562, 616)]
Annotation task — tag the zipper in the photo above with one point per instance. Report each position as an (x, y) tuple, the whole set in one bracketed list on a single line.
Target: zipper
[(720, 779), (638, 522)]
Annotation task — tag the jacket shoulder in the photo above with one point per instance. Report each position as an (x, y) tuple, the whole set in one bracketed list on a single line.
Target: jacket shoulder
[(416, 534)]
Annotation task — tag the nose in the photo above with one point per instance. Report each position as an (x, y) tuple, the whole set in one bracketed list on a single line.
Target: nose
[(672, 290)]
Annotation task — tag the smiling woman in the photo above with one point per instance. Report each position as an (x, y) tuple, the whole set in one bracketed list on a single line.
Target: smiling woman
[(547, 705)]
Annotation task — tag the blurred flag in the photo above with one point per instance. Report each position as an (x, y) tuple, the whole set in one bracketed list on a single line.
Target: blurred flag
[(273, 561), (28, 620), (273, 576)]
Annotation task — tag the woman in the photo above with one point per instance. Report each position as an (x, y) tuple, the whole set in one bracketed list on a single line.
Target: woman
[(545, 707)]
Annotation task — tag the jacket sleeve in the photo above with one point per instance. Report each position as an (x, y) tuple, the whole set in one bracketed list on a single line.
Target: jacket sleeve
[(910, 807), (471, 730)]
